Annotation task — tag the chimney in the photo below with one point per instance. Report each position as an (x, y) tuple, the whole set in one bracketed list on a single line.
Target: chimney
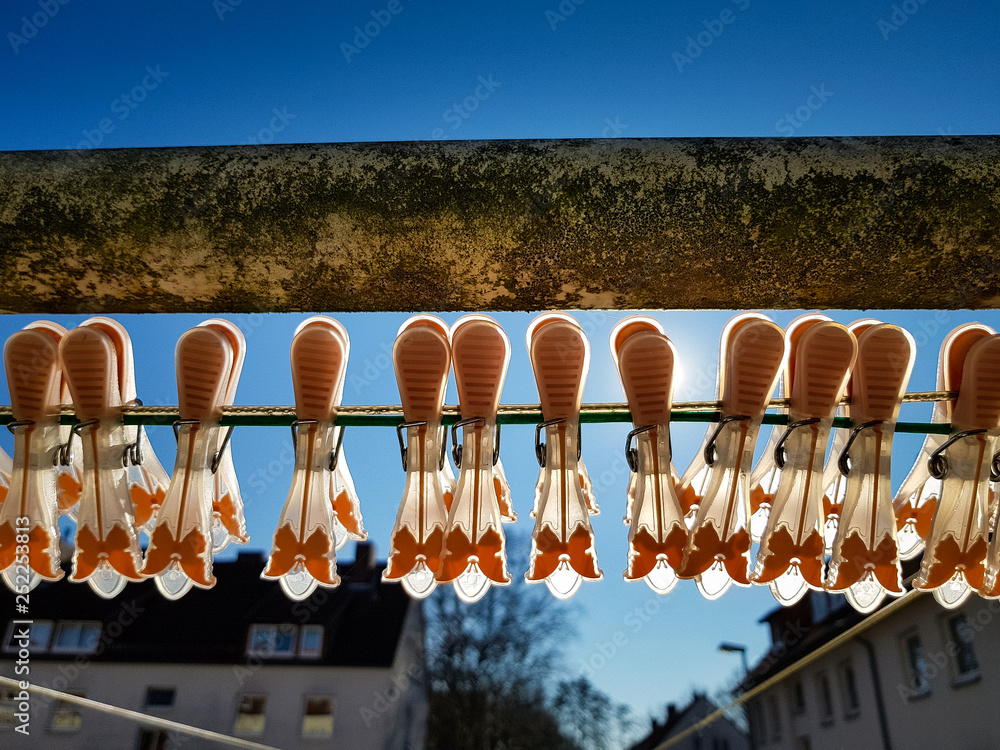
[(363, 570)]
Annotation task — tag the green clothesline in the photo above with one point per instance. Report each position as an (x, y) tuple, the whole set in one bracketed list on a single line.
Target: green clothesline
[(527, 414)]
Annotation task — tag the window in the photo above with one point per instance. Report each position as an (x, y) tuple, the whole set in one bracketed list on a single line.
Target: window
[(803, 743), (76, 637), (39, 635), (8, 707), (960, 636), (272, 641), (852, 704), (775, 718), (916, 663), (317, 717), (799, 698), (825, 698), (153, 739), (67, 717), (311, 641), (160, 697), (250, 714), (758, 724)]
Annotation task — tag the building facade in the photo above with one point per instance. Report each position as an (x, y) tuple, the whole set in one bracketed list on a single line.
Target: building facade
[(721, 734), (923, 677), (344, 668)]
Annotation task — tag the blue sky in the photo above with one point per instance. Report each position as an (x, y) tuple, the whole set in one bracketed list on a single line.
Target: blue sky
[(80, 75)]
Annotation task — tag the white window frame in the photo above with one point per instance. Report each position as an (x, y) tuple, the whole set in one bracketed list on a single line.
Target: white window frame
[(847, 665), (63, 625), (64, 709), (270, 632), (250, 727), (310, 653), (826, 707), (972, 675), (910, 672), (34, 647), (316, 733)]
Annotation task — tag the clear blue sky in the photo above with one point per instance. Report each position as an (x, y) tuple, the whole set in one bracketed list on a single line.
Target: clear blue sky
[(190, 73)]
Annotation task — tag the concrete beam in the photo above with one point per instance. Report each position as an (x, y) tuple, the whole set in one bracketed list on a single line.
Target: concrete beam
[(910, 222)]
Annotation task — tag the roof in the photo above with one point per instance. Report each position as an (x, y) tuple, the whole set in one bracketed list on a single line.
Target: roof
[(363, 618)]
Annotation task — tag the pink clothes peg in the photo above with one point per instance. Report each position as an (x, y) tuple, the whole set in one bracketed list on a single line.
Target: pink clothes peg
[(563, 553), (865, 555), (917, 498), (834, 482), (67, 471), (179, 555), (766, 474), (228, 522), (106, 554), (303, 555), (347, 521), (421, 357), (645, 357), (147, 479), (791, 554), (954, 561), (474, 555), (718, 547), (28, 517)]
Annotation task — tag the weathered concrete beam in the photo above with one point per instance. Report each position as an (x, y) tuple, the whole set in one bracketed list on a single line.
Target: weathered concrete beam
[(505, 225)]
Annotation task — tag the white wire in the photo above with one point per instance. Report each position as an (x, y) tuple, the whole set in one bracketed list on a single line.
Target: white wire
[(153, 721)]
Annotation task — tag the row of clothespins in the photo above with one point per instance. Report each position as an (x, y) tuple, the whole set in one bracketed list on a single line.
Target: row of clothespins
[(449, 529)]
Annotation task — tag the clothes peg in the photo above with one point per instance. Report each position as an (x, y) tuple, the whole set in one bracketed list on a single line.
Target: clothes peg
[(304, 554), (474, 553), (834, 482), (645, 357), (718, 547), (563, 553), (917, 498), (622, 330), (28, 517), (67, 472), (147, 479), (179, 555), (766, 474), (865, 555), (229, 525), (790, 558), (421, 357), (347, 521), (955, 554), (106, 554), (6, 467)]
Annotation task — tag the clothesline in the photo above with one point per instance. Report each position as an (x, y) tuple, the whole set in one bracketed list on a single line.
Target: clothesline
[(390, 415)]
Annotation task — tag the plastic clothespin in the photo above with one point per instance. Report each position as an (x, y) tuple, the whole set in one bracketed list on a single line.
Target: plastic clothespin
[(347, 521), (835, 482), (766, 474), (304, 553), (67, 471), (228, 522), (718, 549), (474, 555), (28, 517), (563, 552), (107, 554), (421, 357), (6, 467), (147, 479), (791, 554), (865, 555), (180, 546), (954, 561), (657, 535), (917, 497)]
